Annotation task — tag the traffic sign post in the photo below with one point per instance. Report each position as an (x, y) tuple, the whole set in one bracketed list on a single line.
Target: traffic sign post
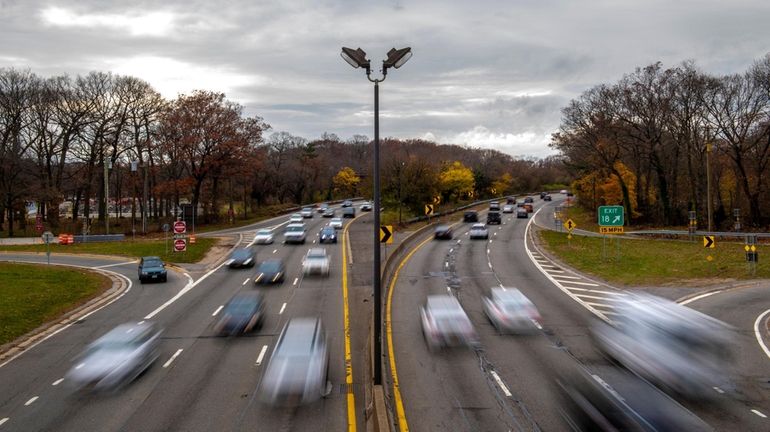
[(752, 256), (47, 238), (39, 222), (611, 221), (180, 245), (166, 227), (428, 209), (180, 227)]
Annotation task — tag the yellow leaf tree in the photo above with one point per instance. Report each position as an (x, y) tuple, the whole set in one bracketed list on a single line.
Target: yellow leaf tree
[(502, 184), (456, 181), (346, 182)]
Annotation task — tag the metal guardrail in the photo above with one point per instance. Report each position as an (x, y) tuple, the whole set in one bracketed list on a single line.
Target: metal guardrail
[(99, 238)]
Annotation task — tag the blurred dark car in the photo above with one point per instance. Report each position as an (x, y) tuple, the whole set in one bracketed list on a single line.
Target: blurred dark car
[(443, 232), (329, 212), (494, 218), (522, 213), (529, 199), (152, 268), (243, 257), (529, 207), (445, 323), (347, 203), (510, 200), (298, 370), (270, 271), (322, 207), (349, 212), (328, 235), (242, 314), (547, 198), (543, 194), (471, 216), (116, 358), (494, 205)]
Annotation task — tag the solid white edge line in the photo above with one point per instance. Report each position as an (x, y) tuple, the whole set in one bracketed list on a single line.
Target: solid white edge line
[(31, 401), (57, 382), (115, 265), (182, 292), (759, 335), (500, 383), (218, 310), (261, 355), (295, 281), (698, 297), (282, 309), (2, 421), (758, 413), (173, 357), (130, 284)]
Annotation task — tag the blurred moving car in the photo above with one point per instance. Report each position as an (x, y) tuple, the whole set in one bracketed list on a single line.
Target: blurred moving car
[(328, 235), (478, 231), (529, 199), (443, 232), (547, 198), (494, 205), (366, 206), (242, 314), (529, 207), (543, 194), (322, 207), (445, 323), (116, 358), (270, 271), (316, 261), (294, 233), (296, 218), (494, 217), (329, 212), (307, 212), (471, 216), (563, 191), (336, 223), (588, 403), (152, 268), (522, 213), (672, 346), (508, 208), (511, 311), (264, 236), (347, 203), (349, 212), (241, 257), (510, 200), (298, 369)]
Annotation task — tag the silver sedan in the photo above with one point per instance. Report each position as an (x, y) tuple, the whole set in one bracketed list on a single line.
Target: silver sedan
[(511, 311)]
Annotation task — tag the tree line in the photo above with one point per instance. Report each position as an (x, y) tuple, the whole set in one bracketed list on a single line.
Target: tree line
[(648, 141), (61, 137)]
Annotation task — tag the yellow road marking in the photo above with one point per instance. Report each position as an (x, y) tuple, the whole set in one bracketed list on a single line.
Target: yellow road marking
[(346, 317)]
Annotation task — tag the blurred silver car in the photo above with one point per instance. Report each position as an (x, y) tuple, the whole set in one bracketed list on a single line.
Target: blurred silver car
[(336, 223), (316, 261), (445, 323), (264, 236), (478, 231), (299, 365), (511, 311), (672, 346), (296, 218), (116, 358)]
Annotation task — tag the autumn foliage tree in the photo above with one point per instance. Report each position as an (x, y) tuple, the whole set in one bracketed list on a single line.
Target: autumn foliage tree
[(456, 181), (346, 182)]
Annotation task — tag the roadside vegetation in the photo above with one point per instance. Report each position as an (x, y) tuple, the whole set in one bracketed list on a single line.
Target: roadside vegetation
[(653, 262), (127, 248), (31, 295)]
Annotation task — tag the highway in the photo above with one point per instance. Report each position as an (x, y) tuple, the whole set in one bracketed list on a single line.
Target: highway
[(507, 383), (201, 382)]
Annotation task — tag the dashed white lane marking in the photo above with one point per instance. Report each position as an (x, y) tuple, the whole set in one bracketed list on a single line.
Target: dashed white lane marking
[(141, 322), (58, 381), (261, 355), (500, 383), (190, 285), (31, 401), (2, 421), (490, 265), (218, 310), (313, 241), (580, 283), (758, 334), (758, 413), (246, 281), (718, 390), (282, 309), (275, 250), (295, 281), (173, 357)]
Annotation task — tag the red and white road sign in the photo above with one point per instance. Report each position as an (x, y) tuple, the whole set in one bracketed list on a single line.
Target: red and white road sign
[(180, 245), (39, 223), (180, 227)]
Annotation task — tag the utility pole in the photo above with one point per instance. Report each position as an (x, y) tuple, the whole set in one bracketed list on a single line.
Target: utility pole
[(708, 181)]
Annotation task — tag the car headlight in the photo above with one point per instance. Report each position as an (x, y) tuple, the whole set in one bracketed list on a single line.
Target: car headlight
[(248, 260), (144, 273)]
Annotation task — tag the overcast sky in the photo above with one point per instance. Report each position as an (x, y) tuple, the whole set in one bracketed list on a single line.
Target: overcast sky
[(484, 73)]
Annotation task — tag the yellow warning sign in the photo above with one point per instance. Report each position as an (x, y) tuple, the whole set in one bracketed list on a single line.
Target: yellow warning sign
[(570, 225), (611, 230)]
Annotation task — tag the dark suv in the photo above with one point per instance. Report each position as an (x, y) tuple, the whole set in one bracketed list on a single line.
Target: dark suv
[(349, 212), (493, 217), (471, 216), (152, 268)]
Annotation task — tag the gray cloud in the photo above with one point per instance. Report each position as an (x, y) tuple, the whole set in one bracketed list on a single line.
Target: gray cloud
[(490, 73)]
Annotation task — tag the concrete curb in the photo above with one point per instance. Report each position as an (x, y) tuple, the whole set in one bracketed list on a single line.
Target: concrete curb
[(14, 348)]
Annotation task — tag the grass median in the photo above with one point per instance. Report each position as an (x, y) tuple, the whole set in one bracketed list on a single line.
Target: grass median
[(32, 294), (127, 248), (633, 262)]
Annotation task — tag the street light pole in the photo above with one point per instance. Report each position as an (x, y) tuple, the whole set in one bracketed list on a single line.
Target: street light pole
[(708, 180), (396, 58)]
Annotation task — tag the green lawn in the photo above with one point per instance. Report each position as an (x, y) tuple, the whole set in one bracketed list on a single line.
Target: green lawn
[(654, 262), (128, 248), (31, 295)]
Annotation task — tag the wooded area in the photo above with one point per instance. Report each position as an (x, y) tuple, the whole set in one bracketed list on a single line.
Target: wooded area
[(645, 141)]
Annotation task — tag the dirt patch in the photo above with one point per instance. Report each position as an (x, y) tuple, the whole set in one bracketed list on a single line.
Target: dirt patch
[(219, 251)]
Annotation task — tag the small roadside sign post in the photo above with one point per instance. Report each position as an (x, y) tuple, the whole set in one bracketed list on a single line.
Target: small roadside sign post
[(569, 225), (39, 223), (709, 243), (428, 211), (180, 245), (752, 256), (166, 228), (386, 234), (47, 238), (611, 221)]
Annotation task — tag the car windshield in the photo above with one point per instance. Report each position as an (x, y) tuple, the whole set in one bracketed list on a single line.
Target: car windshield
[(295, 228), (327, 231), (477, 227), (316, 253), (270, 266), (337, 220), (264, 232), (153, 263), (241, 254), (240, 306)]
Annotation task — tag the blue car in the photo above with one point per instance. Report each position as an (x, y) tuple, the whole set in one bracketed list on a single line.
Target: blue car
[(242, 314), (328, 235), (152, 268)]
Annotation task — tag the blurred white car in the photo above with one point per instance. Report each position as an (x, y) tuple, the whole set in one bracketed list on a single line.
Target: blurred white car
[(316, 262), (296, 218), (336, 223), (670, 345), (478, 231), (298, 370), (264, 236), (294, 233), (116, 358), (366, 206), (445, 323), (508, 208), (511, 311), (307, 212)]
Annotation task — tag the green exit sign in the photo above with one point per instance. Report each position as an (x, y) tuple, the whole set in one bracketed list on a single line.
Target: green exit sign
[(611, 216)]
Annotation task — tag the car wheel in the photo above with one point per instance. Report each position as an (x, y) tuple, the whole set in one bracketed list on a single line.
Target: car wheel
[(165, 278)]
